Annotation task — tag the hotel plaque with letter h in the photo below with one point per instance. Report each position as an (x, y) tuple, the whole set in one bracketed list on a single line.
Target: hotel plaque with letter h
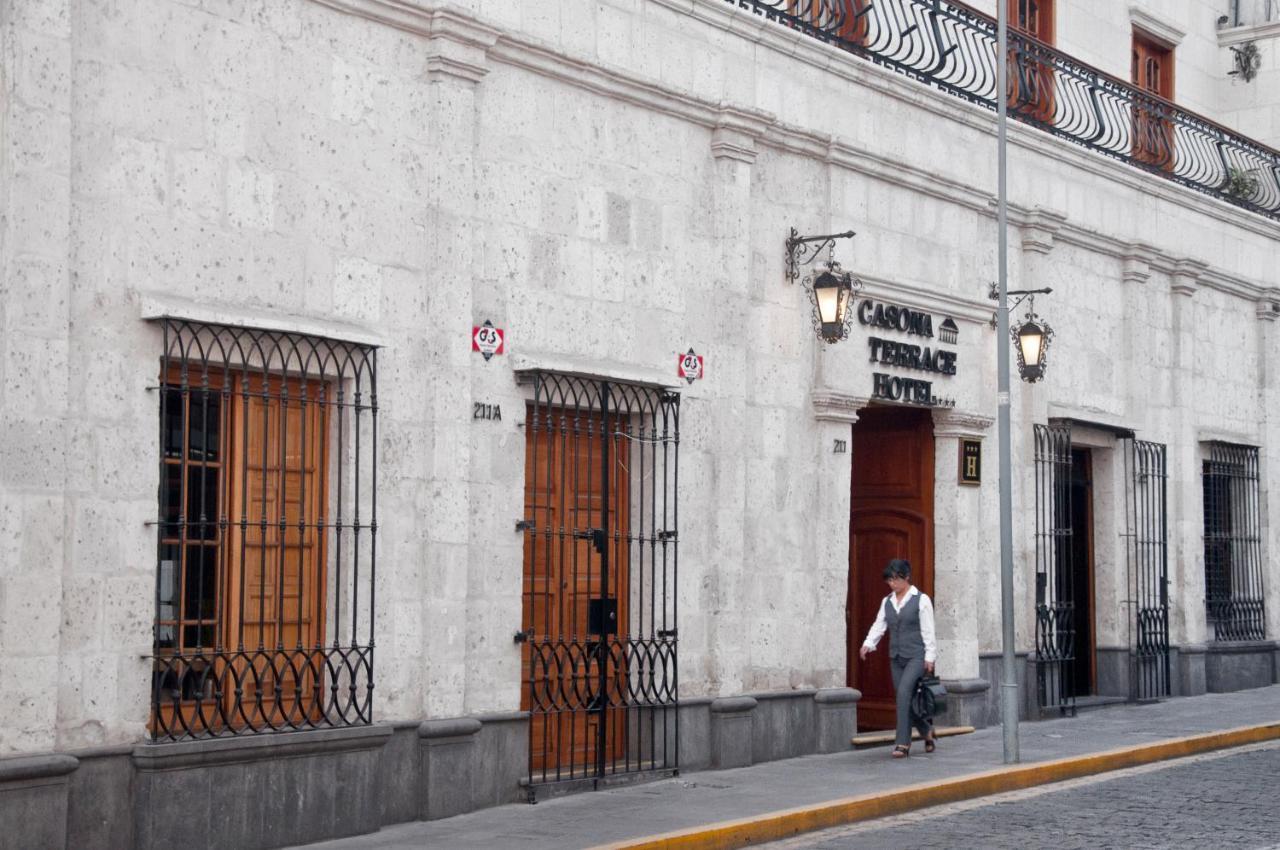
[(970, 461)]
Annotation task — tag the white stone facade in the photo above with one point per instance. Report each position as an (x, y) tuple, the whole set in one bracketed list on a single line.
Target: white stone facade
[(611, 181)]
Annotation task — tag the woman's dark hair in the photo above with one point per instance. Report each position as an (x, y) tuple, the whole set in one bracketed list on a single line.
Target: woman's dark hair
[(898, 568)]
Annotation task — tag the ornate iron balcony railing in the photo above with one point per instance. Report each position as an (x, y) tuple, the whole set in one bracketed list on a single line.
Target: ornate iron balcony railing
[(953, 47)]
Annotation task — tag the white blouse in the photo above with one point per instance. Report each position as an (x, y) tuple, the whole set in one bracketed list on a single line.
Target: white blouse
[(926, 623)]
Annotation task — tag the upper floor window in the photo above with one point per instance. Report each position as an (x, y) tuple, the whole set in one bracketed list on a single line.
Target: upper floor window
[(1031, 67), (264, 573), (1151, 68), (1033, 17)]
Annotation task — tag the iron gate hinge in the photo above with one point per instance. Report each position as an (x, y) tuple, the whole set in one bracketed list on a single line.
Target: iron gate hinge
[(524, 524), (666, 535), (668, 633), (525, 636)]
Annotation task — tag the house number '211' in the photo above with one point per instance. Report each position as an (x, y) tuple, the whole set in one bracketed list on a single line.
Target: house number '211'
[(480, 410)]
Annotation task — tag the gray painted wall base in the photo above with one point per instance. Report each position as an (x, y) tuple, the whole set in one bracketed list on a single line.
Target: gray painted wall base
[(743, 730), (1235, 666), (33, 801), (262, 791), (966, 703)]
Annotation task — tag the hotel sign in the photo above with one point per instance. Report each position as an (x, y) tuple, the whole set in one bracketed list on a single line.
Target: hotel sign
[(925, 356)]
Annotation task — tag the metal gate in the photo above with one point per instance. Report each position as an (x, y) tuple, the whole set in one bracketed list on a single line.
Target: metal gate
[(600, 670), (1148, 574), (1055, 607)]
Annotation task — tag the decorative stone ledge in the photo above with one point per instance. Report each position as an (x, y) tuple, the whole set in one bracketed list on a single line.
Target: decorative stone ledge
[(255, 748), (22, 768), (832, 406), (1157, 25), (959, 423)]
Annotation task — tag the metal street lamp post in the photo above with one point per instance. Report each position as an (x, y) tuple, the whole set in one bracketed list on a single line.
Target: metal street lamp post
[(1009, 685)]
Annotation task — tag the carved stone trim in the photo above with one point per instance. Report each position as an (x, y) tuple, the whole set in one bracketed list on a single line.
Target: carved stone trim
[(1039, 227), (960, 423), (1268, 309), (458, 44), (1137, 258), (728, 143), (1186, 276), (1152, 24), (831, 406)]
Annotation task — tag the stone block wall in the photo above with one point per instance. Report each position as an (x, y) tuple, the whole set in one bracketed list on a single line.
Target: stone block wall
[(612, 183)]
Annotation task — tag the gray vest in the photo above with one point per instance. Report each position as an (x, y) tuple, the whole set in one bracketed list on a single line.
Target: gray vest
[(905, 640)]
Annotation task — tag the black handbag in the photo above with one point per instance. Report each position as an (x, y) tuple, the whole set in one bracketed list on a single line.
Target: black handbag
[(930, 698)]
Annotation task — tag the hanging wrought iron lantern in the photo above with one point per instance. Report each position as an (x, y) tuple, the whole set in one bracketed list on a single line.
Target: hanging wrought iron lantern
[(1031, 340), (831, 291)]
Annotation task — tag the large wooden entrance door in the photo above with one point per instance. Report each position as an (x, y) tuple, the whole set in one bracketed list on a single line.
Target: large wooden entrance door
[(565, 574), (599, 627), (891, 516)]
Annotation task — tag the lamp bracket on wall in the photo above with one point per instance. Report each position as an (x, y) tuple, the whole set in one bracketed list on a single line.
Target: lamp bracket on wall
[(802, 250), (994, 294)]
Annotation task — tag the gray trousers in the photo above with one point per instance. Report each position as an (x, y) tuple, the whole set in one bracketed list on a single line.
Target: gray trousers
[(906, 672)]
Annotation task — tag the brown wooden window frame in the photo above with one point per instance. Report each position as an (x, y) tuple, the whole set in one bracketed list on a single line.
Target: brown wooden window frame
[(1151, 70), (266, 532)]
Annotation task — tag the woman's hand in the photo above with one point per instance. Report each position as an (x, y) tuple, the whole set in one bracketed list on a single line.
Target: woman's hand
[(928, 667), (862, 652)]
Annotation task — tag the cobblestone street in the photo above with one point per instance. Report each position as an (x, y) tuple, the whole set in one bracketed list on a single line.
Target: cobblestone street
[(1220, 800)]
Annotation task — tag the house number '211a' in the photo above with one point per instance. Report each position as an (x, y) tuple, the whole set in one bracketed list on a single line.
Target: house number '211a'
[(480, 410)]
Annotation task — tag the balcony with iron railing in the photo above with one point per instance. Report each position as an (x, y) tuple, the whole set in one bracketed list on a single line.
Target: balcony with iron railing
[(953, 47)]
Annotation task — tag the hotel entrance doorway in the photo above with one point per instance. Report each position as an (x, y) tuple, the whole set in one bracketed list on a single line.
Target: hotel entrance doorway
[(891, 516)]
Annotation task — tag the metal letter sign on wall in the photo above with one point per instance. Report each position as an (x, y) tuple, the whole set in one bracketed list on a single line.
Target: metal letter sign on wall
[(600, 560), (1055, 607), (1148, 579)]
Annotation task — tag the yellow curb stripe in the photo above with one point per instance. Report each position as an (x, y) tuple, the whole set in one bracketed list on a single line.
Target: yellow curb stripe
[(789, 822)]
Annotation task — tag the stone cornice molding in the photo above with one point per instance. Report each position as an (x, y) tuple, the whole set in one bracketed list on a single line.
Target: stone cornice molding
[(926, 299), (736, 132), (834, 406), (960, 423), (1250, 32), (457, 43), (1268, 309), (1185, 276), (1039, 226), (764, 128), (1157, 25), (1138, 258)]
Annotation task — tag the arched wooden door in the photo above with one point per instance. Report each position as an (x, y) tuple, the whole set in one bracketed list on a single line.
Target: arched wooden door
[(891, 516)]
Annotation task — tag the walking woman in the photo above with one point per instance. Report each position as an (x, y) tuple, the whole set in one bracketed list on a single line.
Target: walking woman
[(907, 614)]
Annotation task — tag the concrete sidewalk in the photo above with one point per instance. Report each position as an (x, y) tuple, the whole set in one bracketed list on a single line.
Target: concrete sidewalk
[(734, 807)]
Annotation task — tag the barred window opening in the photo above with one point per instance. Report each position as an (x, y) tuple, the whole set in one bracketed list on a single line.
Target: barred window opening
[(267, 532), (1233, 543)]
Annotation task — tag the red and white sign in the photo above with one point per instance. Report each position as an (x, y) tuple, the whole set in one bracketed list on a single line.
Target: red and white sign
[(689, 366), (487, 339)]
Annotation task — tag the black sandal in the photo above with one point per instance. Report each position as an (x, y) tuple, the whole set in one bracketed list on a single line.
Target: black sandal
[(901, 751), (930, 743)]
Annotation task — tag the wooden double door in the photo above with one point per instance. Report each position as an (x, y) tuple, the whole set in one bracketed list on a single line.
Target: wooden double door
[(891, 516)]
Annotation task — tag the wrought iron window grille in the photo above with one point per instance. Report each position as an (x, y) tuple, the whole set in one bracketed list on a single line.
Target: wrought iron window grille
[(598, 637), (1055, 601), (266, 535), (1233, 569), (953, 48)]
